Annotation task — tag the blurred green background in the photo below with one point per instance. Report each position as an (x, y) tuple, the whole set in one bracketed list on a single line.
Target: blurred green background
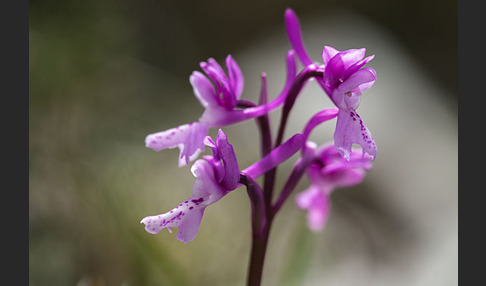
[(104, 74)]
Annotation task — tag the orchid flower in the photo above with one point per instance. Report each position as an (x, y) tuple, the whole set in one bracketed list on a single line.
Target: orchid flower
[(215, 176), (327, 173), (344, 80), (219, 94)]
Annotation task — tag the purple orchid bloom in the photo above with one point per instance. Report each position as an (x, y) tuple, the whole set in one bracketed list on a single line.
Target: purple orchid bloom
[(215, 176), (344, 80), (218, 95), (330, 171), (219, 100)]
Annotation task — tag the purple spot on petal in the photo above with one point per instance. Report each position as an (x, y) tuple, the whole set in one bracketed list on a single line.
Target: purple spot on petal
[(197, 201)]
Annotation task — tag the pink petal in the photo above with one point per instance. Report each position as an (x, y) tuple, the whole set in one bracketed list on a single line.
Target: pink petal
[(232, 170), (343, 176), (206, 187), (350, 130), (338, 64), (328, 53), (217, 75), (214, 65), (235, 75), (186, 216), (351, 56), (190, 225), (189, 138), (318, 206), (355, 67), (203, 89), (337, 171), (358, 79)]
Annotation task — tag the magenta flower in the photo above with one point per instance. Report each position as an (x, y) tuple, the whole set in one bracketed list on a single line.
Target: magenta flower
[(327, 173), (218, 93), (344, 80), (215, 176)]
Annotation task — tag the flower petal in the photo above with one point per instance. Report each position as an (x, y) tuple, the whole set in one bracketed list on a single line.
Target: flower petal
[(328, 53), (351, 56), (206, 189), (355, 67), (337, 65), (208, 141), (318, 206), (188, 137), (341, 175), (190, 225), (203, 89), (336, 171), (365, 76), (350, 130), (217, 75), (214, 65), (231, 168), (186, 216), (236, 80)]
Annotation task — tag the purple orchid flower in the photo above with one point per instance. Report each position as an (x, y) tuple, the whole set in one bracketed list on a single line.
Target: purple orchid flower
[(330, 171), (215, 176), (218, 93), (344, 80), (219, 99)]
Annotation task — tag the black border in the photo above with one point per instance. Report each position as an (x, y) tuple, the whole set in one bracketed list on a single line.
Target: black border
[(15, 139)]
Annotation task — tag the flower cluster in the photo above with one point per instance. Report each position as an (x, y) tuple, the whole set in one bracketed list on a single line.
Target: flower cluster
[(343, 78)]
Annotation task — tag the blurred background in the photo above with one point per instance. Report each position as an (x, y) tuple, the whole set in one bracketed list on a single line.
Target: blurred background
[(104, 74)]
